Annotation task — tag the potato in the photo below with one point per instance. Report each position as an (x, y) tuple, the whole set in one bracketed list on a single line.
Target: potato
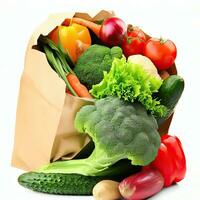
[(106, 190)]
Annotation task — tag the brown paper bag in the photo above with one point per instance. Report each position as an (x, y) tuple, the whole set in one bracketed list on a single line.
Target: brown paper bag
[(45, 114)]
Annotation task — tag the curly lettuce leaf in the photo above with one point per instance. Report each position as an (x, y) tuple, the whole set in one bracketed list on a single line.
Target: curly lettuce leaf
[(130, 82)]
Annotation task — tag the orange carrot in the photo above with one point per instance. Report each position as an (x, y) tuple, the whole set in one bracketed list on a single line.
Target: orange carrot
[(79, 88), (89, 24)]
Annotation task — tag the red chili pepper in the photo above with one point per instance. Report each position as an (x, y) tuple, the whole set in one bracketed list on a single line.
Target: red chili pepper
[(67, 91), (170, 161)]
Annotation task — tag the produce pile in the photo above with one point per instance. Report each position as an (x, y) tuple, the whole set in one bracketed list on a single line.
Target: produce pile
[(127, 76)]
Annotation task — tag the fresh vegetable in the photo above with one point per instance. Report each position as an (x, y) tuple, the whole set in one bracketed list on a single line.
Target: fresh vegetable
[(112, 31), (141, 185), (130, 82), (55, 183), (146, 64), (72, 38), (86, 23), (161, 52), (79, 88), (91, 64), (76, 184), (170, 93), (131, 133), (133, 41), (170, 161), (106, 190)]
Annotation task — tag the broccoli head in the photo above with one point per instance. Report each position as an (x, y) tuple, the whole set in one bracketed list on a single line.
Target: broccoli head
[(91, 64), (119, 130)]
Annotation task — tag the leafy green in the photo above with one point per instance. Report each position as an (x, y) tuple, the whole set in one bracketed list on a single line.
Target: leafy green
[(91, 64), (119, 130), (130, 82)]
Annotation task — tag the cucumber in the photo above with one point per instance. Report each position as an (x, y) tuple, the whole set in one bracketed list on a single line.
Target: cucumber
[(74, 184), (57, 183), (169, 94)]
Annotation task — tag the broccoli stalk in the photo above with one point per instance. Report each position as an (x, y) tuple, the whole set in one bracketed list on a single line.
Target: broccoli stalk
[(94, 165), (119, 130)]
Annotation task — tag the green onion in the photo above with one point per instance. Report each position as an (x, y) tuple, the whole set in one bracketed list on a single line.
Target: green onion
[(59, 65)]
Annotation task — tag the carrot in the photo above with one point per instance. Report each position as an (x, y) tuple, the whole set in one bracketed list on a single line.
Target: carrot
[(79, 88), (91, 25)]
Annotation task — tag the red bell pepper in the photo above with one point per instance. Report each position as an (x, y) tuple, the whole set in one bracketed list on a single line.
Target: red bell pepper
[(170, 161)]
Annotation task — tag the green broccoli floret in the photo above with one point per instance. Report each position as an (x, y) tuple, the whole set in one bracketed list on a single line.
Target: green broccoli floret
[(91, 64), (119, 130)]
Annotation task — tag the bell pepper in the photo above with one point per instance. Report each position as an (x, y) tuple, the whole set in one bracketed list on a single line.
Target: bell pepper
[(71, 37), (170, 161)]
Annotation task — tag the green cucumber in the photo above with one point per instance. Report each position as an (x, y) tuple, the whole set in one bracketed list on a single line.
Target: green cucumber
[(170, 93), (74, 184), (57, 183)]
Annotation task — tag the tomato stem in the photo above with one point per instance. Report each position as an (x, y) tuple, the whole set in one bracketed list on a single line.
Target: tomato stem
[(162, 40), (128, 39), (130, 28)]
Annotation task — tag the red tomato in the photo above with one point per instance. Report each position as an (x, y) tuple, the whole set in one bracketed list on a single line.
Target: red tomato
[(161, 52), (133, 41)]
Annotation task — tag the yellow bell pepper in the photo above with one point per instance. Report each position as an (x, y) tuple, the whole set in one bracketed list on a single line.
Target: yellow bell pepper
[(71, 37)]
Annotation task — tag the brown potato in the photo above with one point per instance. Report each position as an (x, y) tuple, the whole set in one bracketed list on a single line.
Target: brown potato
[(106, 190)]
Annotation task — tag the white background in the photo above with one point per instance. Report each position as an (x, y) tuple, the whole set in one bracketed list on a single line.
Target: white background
[(177, 20)]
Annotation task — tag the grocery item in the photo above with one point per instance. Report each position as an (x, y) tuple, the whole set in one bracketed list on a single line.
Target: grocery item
[(100, 83)]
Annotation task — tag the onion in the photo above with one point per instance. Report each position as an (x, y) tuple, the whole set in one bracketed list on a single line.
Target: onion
[(112, 31), (141, 185)]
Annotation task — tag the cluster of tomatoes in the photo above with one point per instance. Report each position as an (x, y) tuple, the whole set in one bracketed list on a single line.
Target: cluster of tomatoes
[(161, 52)]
